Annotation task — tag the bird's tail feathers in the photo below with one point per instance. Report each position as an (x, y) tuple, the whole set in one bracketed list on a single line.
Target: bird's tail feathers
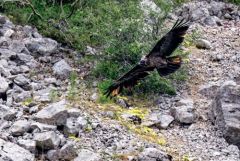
[(173, 64)]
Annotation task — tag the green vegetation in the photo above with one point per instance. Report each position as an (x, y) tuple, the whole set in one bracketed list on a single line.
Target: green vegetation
[(234, 1), (54, 95), (72, 91), (117, 28)]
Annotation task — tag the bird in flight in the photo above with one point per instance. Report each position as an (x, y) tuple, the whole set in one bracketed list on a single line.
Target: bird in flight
[(159, 58)]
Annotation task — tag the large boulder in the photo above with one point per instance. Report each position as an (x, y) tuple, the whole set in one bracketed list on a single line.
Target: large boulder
[(42, 46), (10, 151), (62, 69), (47, 140), (226, 112), (184, 111), (56, 113)]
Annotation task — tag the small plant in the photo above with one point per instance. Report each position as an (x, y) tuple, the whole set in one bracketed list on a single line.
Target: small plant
[(27, 101), (73, 137), (54, 95), (186, 157), (73, 86)]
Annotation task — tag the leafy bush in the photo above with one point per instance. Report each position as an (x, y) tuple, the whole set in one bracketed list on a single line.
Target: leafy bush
[(234, 1), (117, 28)]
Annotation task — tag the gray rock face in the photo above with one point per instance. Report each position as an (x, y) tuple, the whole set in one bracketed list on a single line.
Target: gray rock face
[(203, 44), (47, 140), (62, 69), (68, 151), (71, 126), (55, 114), (226, 112), (199, 13), (3, 85), (212, 21), (209, 90), (216, 8), (184, 111), (131, 118), (42, 95), (52, 155), (20, 127), (161, 121), (43, 46), (11, 152), (7, 113), (153, 154), (42, 127), (87, 155), (28, 144), (23, 82), (74, 125)]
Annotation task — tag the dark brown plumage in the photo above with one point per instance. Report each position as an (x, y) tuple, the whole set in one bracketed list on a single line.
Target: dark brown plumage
[(158, 59)]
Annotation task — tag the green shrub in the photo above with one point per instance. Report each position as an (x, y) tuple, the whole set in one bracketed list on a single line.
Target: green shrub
[(234, 1)]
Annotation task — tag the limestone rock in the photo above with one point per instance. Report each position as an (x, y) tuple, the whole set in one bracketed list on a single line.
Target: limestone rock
[(42, 46), (28, 144), (20, 127), (226, 111), (7, 113), (87, 155), (184, 111), (62, 69), (203, 44), (10, 151), (47, 140), (153, 154)]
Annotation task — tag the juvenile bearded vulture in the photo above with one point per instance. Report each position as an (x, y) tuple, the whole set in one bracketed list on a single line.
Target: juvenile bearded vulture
[(159, 59)]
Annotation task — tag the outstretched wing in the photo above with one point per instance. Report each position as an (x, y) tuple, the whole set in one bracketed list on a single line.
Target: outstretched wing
[(168, 43), (128, 80), (173, 64)]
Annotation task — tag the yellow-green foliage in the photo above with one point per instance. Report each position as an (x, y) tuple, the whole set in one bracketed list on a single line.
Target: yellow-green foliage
[(144, 132), (191, 38), (73, 137), (186, 157), (27, 101)]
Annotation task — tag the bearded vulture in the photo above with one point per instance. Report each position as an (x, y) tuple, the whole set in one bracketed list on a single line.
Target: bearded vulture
[(158, 58)]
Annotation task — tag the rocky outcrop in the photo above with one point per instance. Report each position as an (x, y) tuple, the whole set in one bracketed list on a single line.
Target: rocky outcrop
[(226, 112)]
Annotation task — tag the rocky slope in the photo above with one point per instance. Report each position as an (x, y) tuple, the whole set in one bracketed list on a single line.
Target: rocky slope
[(43, 117)]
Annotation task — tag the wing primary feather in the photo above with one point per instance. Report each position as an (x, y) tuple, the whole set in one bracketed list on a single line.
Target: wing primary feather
[(176, 26), (175, 23), (184, 24)]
